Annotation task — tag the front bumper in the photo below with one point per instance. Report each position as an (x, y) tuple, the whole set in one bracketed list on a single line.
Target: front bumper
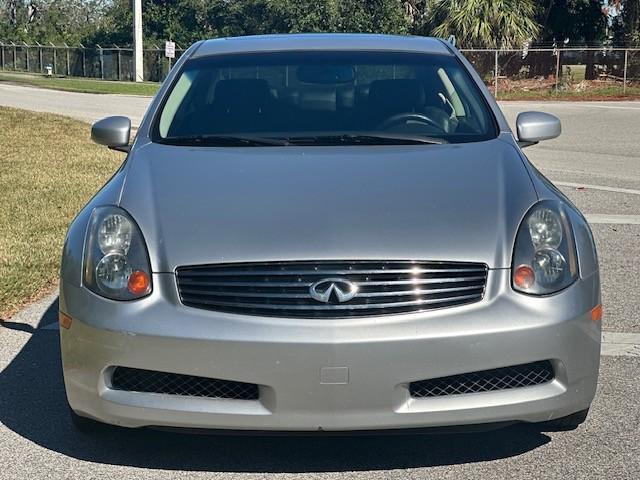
[(288, 359)]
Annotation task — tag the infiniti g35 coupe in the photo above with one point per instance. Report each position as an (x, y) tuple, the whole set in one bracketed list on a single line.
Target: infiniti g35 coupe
[(328, 233)]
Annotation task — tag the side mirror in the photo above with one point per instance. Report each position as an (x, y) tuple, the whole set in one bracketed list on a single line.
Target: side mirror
[(114, 132), (533, 127)]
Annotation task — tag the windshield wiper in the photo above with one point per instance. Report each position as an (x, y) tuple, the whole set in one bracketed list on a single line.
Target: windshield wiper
[(322, 139), (364, 139), (225, 140)]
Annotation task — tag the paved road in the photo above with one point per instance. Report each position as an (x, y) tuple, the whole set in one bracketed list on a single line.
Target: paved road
[(598, 150), (83, 106)]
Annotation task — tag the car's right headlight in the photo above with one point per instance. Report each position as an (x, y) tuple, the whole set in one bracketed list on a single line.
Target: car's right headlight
[(116, 263), (544, 256)]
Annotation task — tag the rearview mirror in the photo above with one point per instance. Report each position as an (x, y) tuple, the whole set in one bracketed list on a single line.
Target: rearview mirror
[(114, 132), (533, 127)]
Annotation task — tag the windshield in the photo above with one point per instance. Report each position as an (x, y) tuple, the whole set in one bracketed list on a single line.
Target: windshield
[(323, 98)]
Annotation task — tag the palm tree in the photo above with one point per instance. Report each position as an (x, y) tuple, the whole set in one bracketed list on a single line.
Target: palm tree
[(483, 23)]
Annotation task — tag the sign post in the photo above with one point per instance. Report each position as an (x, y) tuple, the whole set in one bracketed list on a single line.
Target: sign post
[(170, 51)]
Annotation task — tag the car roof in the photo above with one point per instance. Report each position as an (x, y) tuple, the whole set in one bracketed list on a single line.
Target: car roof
[(321, 41)]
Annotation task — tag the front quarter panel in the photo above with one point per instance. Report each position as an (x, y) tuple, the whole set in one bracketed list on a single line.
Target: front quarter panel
[(585, 244)]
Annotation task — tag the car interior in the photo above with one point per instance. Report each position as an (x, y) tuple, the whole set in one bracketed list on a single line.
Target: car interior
[(219, 101)]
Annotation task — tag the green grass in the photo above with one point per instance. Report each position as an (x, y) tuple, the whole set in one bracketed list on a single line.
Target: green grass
[(577, 71), (601, 93), (86, 85), (49, 168)]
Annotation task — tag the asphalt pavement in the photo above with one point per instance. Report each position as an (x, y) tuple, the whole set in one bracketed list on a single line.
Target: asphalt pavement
[(87, 107), (596, 163)]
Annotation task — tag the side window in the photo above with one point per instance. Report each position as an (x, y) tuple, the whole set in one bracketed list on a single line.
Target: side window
[(179, 92)]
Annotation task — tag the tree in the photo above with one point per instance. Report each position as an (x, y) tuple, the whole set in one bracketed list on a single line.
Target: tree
[(631, 21), (483, 23), (171, 20), (580, 22), (372, 16), (47, 21), (297, 16)]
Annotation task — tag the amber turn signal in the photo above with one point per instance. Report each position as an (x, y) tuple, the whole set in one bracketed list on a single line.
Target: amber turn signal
[(64, 320), (139, 283), (524, 276), (596, 313)]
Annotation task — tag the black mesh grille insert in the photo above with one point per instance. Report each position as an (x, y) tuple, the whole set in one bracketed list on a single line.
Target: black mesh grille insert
[(504, 378), (148, 381)]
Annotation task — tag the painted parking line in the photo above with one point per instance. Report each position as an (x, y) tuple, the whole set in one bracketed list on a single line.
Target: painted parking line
[(597, 187), (597, 218), (621, 344)]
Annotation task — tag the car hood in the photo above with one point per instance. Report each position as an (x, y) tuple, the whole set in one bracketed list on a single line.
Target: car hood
[(457, 202)]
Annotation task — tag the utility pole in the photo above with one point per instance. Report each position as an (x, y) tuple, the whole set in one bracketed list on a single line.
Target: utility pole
[(138, 73)]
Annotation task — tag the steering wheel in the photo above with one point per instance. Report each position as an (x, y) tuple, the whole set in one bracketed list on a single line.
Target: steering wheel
[(401, 118)]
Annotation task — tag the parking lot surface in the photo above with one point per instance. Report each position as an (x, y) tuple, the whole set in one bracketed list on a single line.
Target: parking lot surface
[(596, 163)]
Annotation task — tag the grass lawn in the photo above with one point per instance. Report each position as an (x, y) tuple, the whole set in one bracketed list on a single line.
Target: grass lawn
[(86, 85), (49, 168), (602, 93)]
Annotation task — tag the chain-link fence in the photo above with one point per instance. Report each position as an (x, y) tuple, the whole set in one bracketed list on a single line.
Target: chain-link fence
[(509, 73), (537, 72), (112, 63)]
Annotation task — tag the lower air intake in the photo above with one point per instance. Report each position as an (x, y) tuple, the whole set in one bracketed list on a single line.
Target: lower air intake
[(505, 378), (149, 381)]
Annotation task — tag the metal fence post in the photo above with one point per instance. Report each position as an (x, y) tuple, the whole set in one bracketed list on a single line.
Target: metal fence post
[(15, 55), (624, 73), (2, 54), (557, 69), (101, 63), (40, 58), (55, 57), (66, 51), (119, 63), (26, 58), (495, 75), (84, 61)]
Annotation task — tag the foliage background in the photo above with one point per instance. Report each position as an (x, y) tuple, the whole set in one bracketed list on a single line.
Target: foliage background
[(475, 23)]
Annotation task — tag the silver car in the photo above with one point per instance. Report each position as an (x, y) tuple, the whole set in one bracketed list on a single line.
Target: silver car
[(328, 233)]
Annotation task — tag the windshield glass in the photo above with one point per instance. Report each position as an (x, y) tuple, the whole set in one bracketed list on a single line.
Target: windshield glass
[(327, 98)]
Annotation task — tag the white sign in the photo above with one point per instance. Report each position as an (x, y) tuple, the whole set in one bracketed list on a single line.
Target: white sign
[(170, 49)]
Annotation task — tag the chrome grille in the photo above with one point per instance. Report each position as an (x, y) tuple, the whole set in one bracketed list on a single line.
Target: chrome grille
[(151, 381), (505, 378), (283, 288)]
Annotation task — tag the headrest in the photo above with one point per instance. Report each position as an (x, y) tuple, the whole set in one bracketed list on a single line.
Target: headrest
[(318, 98), (400, 95)]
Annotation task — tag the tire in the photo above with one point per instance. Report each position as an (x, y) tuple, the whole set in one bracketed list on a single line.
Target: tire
[(86, 425), (570, 422)]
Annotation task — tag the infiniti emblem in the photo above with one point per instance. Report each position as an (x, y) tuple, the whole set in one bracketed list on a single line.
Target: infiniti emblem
[(343, 290)]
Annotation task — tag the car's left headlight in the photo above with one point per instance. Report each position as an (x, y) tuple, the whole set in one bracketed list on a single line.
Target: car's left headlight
[(116, 262), (544, 256)]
